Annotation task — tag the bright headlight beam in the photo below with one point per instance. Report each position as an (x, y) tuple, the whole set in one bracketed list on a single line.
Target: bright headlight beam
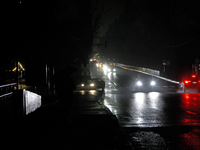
[(153, 83), (139, 83)]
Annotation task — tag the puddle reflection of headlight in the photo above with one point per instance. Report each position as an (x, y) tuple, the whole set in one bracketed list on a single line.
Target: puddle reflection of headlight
[(82, 92), (92, 84), (153, 95), (92, 92), (105, 68)]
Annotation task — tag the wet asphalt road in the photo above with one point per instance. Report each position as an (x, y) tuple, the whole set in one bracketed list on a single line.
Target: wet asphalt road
[(159, 118)]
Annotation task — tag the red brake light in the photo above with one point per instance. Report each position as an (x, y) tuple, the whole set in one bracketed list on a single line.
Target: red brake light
[(187, 82), (194, 76)]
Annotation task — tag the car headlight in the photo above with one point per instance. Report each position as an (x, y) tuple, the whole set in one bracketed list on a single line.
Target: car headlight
[(92, 84), (82, 85), (139, 83), (109, 69), (153, 83), (114, 69)]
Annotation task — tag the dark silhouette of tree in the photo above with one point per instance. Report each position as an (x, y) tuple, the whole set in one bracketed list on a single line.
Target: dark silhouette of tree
[(105, 13)]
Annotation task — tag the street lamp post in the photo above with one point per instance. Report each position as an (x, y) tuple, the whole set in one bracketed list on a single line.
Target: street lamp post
[(17, 71)]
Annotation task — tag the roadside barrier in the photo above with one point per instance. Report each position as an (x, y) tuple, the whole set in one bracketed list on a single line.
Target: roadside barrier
[(26, 102), (7, 89), (22, 102), (147, 71), (6, 93)]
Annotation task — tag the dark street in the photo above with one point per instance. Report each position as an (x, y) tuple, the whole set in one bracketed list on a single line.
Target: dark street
[(162, 118), (100, 74)]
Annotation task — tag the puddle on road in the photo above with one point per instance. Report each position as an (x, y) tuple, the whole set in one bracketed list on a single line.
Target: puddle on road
[(183, 138), (148, 140), (190, 140)]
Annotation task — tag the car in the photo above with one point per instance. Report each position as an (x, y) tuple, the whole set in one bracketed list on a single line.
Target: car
[(109, 68), (190, 83), (91, 84), (144, 84)]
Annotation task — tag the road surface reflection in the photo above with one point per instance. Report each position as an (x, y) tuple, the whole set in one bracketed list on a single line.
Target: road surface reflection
[(190, 104), (190, 140), (154, 109)]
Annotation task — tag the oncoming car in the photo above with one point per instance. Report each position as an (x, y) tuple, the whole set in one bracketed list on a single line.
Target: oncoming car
[(109, 68), (190, 83), (144, 85), (91, 84)]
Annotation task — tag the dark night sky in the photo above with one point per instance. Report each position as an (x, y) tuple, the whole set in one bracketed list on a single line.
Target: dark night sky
[(143, 34), (56, 28), (150, 31)]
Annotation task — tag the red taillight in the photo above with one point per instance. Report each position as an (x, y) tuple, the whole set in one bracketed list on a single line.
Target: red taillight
[(194, 76), (186, 82)]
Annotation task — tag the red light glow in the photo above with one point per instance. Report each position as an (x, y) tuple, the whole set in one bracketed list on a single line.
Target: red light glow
[(187, 82), (191, 106), (194, 76), (190, 139), (187, 96)]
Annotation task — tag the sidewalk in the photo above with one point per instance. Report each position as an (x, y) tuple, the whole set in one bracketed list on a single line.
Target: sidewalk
[(99, 127), (92, 126)]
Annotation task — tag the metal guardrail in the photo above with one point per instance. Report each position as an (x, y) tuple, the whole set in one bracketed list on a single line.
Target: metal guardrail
[(147, 71), (6, 92), (7, 89)]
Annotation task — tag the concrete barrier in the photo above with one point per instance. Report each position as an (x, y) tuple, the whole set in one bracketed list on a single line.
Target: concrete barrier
[(25, 102), (32, 101)]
